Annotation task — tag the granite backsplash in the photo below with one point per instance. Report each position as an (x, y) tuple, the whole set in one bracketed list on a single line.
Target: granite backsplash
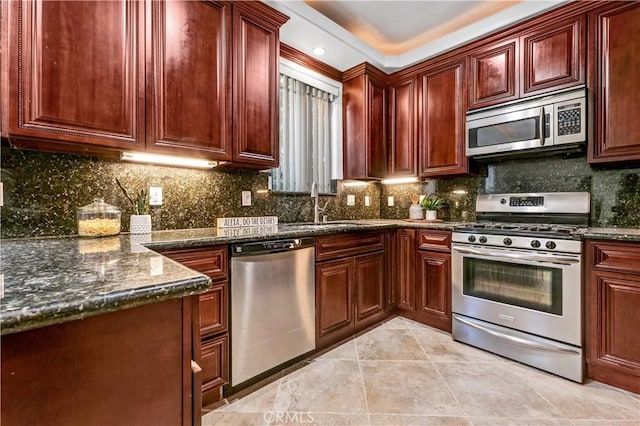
[(42, 192)]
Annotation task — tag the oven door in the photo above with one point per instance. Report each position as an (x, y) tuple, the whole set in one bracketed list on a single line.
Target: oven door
[(534, 292)]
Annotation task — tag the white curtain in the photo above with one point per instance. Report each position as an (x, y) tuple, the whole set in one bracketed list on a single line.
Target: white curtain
[(305, 138)]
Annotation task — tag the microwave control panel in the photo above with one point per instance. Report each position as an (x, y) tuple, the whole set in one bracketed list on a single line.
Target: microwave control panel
[(569, 119)]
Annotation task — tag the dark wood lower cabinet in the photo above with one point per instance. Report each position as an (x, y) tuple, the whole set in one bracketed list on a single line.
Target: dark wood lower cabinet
[(434, 288), (131, 367), (391, 282), (334, 306), (215, 368), (369, 286), (406, 263), (613, 314)]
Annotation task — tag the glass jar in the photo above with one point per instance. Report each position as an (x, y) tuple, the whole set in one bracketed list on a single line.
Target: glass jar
[(98, 219)]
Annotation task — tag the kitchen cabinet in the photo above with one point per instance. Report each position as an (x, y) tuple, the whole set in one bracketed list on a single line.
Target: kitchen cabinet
[(552, 57), (391, 265), (74, 77), (433, 281), (493, 75), (403, 118), (364, 122), (190, 78), (441, 143), (613, 47), (406, 261), (613, 313), (129, 367), (350, 284), (214, 315)]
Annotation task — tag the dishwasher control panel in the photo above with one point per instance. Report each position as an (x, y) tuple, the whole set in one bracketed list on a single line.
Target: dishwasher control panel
[(271, 246)]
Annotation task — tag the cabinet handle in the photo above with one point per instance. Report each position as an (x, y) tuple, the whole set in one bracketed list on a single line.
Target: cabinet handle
[(195, 367)]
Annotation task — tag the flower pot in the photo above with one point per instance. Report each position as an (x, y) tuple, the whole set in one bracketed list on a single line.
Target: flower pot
[(140, 224), (416, 212), (432, 214)]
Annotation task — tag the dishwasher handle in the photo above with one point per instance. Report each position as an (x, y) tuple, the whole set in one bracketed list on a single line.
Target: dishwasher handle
[(267, 247)]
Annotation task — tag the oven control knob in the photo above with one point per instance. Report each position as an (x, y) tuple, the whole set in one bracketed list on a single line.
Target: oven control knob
[(507, 241), (550, 245), (471, 238), (535, 243), (483, 240)]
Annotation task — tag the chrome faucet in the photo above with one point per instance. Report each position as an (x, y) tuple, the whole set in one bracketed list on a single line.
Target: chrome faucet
[(316, 208)]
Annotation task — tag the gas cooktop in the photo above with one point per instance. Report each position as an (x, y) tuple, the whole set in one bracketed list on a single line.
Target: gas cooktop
[(527, 229)]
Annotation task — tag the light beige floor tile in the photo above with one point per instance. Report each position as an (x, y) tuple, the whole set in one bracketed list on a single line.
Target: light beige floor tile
[(345, 351), (228, 418), (575, 401), (385, 344), (399, 420), (259, 401), (605, 423), (493, 390), (326, 385), (440, 347), (406, 387), (394, 323), (323, 419), (505, 421), (414, 324)]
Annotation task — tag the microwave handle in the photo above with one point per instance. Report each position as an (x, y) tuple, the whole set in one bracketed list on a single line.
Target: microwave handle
[(542, 126)]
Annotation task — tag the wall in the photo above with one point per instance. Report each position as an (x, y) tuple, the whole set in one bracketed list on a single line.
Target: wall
[(615, 191), (43, 191)]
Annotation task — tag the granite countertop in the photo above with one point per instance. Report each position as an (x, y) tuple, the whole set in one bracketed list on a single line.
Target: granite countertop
[(54, 280)]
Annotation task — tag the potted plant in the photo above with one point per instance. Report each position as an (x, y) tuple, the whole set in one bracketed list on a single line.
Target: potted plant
[(432, 204), (140, 220)]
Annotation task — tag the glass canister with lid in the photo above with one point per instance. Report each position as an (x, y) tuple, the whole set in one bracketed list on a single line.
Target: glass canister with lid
[(98, 219)]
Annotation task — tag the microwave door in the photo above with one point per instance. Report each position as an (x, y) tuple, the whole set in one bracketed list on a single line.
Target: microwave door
[(516, 130)]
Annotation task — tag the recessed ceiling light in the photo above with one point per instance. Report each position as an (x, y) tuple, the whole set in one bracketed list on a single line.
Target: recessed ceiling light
[(319, 51)]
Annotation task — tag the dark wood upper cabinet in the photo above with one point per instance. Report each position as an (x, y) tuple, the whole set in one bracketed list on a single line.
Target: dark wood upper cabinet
[(364, 122), (441, 143), (553, 57), (77, 72), (403, 117), (493, 75), (190, 79), (256, 55), (614, 62)]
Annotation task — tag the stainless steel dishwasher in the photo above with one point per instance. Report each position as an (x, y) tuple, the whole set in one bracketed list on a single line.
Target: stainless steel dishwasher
[(272, 304)]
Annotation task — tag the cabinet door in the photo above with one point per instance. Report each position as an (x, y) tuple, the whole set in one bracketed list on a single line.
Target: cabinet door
[(434, 288), (377, 122), (391, 289), (406, 269), (255, 89), (77, 72), (442, 127), (215, 368), (190, 86), (493, 74), (553, 57), (334, 305), (614, 45), (369, 285), (403, 115)]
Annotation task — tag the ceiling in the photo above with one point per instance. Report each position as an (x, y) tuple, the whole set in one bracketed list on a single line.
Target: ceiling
[(395, 34)]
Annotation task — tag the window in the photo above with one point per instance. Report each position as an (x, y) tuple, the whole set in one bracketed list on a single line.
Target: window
[(310, 131)]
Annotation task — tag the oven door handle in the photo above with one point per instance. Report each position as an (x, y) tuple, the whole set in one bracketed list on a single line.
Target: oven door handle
[(512, 256), (517, 340)]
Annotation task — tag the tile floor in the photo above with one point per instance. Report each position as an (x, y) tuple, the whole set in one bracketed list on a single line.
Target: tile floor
[(404, 373)]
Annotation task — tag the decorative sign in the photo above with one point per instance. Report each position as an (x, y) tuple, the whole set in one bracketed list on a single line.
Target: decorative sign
[(247, 231), (241, 222)]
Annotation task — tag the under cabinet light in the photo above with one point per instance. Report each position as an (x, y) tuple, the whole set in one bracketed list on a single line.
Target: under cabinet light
[(400, 180), (460, 191), (355, 183), (167, 160)]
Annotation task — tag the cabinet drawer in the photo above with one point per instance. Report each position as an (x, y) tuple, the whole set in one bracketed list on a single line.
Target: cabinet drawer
[(213, 310), (211, 261), (434, 240), (215, 363), (336, 246), (618, 256)]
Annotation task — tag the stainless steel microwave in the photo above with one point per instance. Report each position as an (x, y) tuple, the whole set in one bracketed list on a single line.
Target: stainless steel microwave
[(552, 122)]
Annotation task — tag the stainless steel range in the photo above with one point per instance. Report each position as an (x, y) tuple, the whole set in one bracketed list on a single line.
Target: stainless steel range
[(517, 279)]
